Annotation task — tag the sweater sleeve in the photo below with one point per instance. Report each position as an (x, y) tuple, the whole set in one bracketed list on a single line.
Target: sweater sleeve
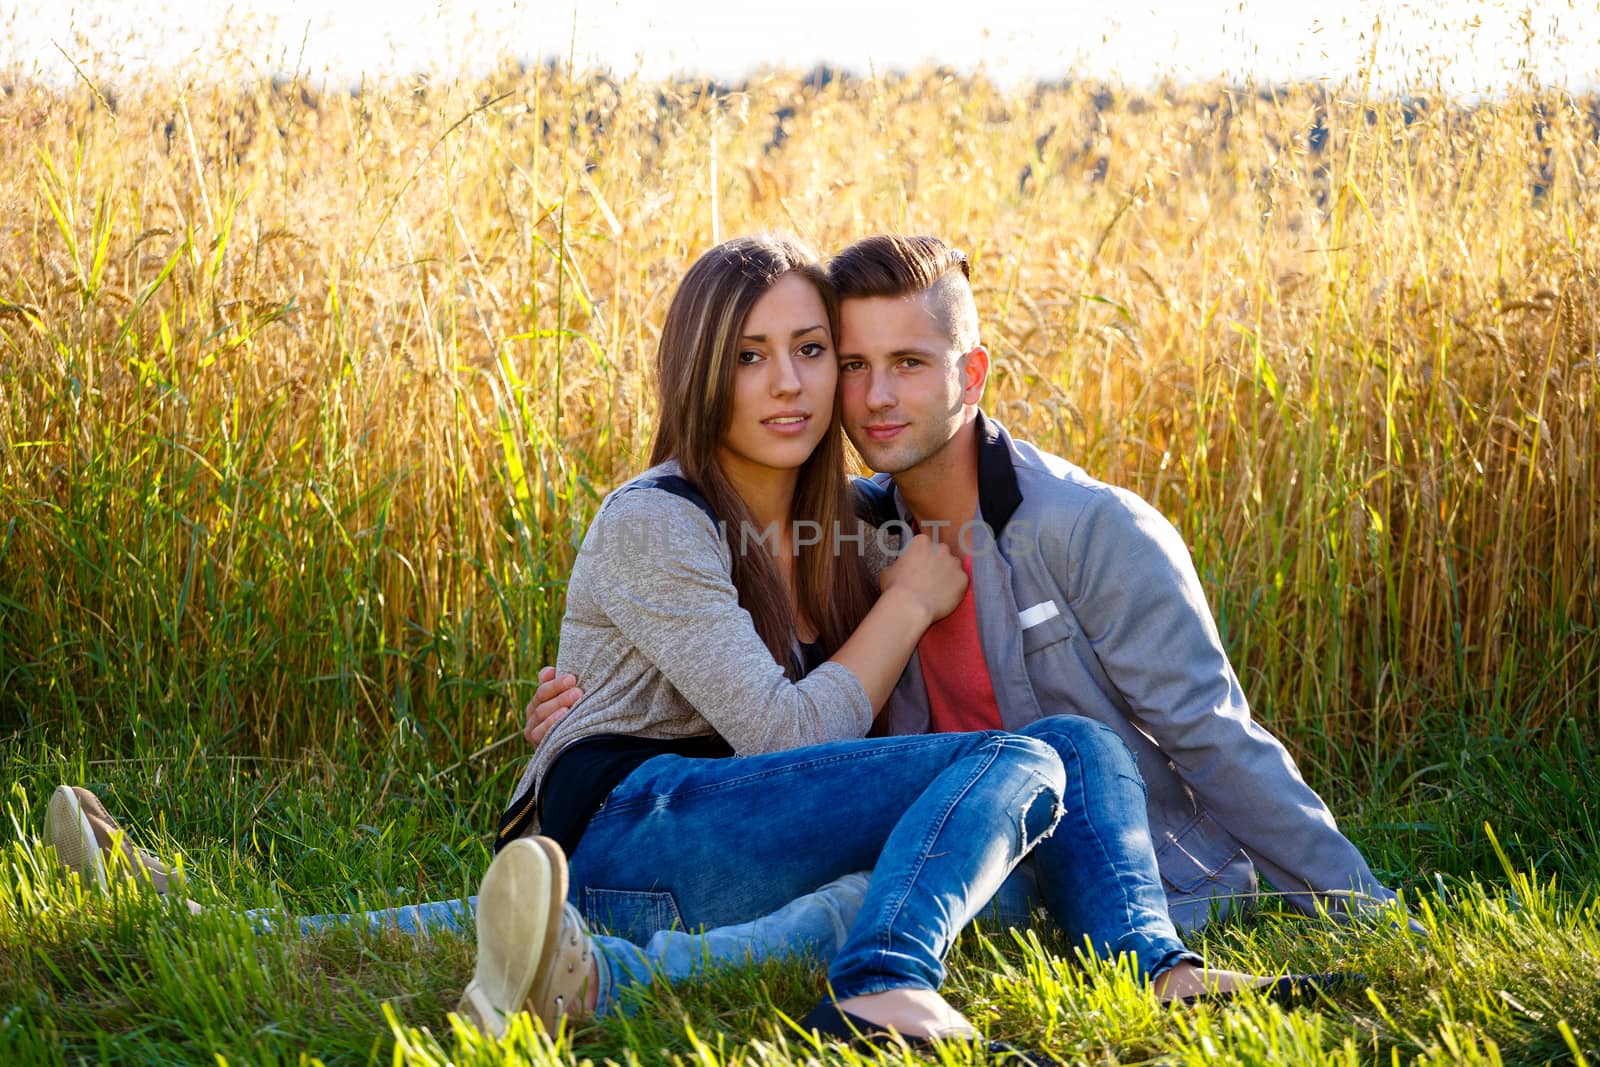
[(661, 575), (1134, 590)]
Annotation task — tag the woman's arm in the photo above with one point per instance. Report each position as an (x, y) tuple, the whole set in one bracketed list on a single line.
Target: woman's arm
[(653, 613), (923, 585)]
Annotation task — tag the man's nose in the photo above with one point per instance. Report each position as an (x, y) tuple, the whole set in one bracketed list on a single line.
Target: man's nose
[(879, 395)]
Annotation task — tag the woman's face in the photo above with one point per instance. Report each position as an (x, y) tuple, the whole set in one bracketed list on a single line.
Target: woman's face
[(782, 384)]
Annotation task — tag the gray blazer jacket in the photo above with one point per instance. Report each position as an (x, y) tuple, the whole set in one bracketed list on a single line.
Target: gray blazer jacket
[(1088, 604)]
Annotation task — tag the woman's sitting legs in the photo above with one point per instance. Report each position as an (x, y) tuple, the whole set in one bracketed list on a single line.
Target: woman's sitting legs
[(941, 819)]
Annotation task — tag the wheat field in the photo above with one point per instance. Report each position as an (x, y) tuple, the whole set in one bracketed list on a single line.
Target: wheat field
[(306, 396)]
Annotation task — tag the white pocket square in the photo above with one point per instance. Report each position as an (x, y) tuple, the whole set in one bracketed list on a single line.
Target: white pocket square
[(1031, 617)]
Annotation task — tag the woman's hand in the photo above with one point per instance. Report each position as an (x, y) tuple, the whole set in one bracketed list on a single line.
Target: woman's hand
[(929, 575), (550, 703)]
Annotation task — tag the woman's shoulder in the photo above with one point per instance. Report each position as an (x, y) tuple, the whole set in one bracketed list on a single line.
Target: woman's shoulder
[(671, 492), (659, 511)]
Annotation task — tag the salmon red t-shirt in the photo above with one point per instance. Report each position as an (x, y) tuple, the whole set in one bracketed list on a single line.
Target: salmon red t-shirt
[(960, 693)]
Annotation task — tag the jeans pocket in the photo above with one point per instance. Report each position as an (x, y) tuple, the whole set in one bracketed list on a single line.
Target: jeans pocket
[(631, 914)]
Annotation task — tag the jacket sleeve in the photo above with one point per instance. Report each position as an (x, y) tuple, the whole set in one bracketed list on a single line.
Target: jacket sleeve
[(1134, 590), (661, 576)]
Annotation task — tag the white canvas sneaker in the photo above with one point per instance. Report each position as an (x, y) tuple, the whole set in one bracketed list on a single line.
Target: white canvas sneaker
[(88, 840), (67, 827), (534, 951)]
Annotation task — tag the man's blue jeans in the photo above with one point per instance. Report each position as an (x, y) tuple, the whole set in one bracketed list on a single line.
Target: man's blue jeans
[(1096, 875), (940, 820), (814, 925)]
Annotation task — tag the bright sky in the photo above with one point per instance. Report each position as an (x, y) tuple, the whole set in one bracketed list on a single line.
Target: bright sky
[(1477, 44)]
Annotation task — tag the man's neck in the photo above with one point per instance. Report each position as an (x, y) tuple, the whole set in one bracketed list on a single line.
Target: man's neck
[(942, 490)]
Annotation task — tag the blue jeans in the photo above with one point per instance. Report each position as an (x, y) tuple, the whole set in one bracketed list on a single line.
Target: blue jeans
[(1099, 883), (940, 820), (436, 916), (1095, 876)]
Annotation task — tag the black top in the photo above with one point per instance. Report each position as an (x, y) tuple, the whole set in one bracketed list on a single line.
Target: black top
[(585, 773), (812, 656)]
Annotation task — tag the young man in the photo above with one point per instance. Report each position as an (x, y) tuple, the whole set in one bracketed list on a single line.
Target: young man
[(1083, 600)]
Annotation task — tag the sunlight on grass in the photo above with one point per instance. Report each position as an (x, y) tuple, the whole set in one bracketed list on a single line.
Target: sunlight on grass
[(306, 397), (1501, 970)]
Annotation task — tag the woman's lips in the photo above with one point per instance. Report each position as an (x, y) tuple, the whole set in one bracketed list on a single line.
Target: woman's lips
[(788, 425)]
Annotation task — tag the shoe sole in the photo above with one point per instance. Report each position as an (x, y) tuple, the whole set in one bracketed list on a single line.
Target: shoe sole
[(509, 976), (68, 829), (550, 957)]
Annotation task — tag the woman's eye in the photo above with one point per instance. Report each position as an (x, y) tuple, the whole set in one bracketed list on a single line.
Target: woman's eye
[(812, 349), (749, 356)]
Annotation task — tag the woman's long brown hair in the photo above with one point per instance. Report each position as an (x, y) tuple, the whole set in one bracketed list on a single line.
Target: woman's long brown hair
[(694, 390)]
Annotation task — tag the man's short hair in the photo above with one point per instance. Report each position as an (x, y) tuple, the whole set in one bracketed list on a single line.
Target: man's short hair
[(897, 265)]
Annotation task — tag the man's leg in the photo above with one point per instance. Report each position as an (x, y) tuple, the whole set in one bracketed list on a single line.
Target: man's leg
[(1097, 874), (813, 926)]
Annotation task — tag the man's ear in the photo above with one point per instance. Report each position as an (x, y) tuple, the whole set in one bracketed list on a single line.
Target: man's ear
[(974, 374)]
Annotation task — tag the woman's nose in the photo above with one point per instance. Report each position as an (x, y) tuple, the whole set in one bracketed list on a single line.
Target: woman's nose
[(784, 378)]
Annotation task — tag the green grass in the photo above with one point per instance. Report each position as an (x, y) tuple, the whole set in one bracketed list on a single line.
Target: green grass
[(1505, 974), (303, 395)]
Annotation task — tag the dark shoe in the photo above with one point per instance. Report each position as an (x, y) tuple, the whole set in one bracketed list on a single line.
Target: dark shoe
[(828, 1021), (1289, 991)]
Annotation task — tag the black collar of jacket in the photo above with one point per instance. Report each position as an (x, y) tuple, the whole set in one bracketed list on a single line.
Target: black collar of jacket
[(998, 493)]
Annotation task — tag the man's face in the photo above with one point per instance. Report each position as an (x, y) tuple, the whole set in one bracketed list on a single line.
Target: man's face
[(902, 383)]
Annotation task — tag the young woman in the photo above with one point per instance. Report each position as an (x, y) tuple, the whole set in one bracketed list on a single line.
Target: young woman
[(725, 605), (722, 610)]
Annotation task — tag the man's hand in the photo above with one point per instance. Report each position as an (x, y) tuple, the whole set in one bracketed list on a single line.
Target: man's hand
[(550, 703)]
